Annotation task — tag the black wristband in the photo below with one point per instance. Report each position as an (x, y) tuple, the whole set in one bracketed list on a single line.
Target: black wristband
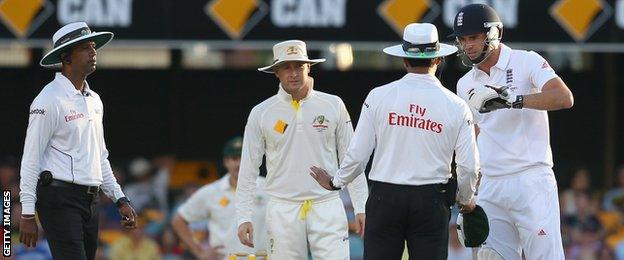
[(519, 103), (121, 201), (331, 183)]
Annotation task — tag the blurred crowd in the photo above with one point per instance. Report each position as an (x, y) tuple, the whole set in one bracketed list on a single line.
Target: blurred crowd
[(592, 219)]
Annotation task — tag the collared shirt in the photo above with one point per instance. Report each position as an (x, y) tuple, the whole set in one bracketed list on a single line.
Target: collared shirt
[(294, 137), (414, 124), (65, 136), (215, 203), (512, 140)]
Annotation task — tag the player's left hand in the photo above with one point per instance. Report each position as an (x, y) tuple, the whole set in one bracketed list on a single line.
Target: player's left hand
[(322, 177), (488, 98), (128, 216), (360, 222)]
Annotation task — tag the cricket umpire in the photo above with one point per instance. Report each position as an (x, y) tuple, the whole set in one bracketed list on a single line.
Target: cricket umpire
[(65, 161), (414, 124)]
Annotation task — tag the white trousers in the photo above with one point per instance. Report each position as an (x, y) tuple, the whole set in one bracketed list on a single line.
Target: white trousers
[(523, 213), (324, 229)]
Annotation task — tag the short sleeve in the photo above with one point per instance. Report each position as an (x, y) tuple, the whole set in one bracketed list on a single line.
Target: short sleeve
[(540, 71)]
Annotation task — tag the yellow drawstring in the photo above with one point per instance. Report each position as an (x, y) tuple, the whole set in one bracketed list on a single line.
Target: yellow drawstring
[(305, 208), (295, 104)]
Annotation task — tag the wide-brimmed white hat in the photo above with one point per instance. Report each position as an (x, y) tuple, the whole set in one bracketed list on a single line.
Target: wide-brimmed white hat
[(70, 35), (293, 50), (420, 41)]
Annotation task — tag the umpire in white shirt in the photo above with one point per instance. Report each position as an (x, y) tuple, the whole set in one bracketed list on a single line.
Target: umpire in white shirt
[(65, 161), (414, 125)]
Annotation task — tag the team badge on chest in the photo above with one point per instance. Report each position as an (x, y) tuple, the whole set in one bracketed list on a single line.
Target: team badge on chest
[(509, 76), (320, 123)]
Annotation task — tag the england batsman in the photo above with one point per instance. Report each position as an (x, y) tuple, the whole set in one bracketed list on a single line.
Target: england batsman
[(509, 92)]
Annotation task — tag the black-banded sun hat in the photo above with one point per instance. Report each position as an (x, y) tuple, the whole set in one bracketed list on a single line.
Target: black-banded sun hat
[(70, 35), (420, 41)]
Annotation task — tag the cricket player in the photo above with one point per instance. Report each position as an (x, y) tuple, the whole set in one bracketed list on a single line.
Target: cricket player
[(510, 92), (294, 129), (215, 203)]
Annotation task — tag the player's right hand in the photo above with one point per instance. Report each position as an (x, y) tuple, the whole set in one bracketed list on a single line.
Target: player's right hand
[(467, 208), (360, 221), (29, 232), (489, 98), (128, 215), (322, 177), (245, 234)]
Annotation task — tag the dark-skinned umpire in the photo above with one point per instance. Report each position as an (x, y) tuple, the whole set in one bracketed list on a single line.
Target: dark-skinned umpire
[(65, 161)]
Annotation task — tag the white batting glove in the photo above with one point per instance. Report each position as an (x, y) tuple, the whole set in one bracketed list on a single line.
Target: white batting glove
[(489, 98)]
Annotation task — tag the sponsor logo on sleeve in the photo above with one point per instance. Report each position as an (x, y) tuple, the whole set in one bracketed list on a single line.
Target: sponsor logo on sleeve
[(37, 111), (545, 65)]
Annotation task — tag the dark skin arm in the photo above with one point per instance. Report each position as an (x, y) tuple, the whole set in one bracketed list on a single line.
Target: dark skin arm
[(128, 216), (29, 231)]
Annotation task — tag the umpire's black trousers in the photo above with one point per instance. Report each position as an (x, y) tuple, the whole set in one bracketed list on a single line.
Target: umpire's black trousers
[(69, 216), (399, 213)]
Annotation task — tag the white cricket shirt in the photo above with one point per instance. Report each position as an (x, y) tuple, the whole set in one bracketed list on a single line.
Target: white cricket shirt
[(293, 140), (215, 202), (65, 136), (414, 125), (512, 140)]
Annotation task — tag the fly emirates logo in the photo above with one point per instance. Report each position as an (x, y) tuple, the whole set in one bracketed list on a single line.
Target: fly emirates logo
[(415, 119)]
